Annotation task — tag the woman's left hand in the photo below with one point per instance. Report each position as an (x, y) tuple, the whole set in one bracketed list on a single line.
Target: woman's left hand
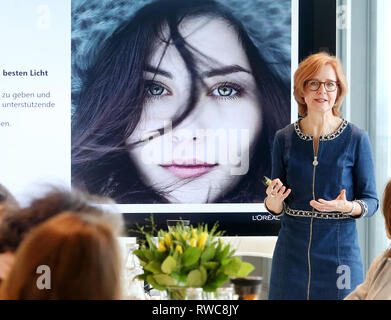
[(339, 204)]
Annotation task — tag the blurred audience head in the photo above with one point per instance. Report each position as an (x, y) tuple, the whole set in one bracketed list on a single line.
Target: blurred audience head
[(15, 227), (69, 256), (8, 203), (387, 208)]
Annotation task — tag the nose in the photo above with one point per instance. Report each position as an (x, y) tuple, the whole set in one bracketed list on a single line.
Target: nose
[(322, 88), (195, 124)]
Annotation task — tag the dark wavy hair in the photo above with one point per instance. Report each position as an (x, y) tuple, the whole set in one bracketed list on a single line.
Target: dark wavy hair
[(112, 97), (16, 225), (8, 203)]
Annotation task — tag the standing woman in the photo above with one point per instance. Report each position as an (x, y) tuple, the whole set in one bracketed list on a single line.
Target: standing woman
[(323, 179)]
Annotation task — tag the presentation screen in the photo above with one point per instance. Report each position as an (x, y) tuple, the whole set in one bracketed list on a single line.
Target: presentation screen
[(167, 107)]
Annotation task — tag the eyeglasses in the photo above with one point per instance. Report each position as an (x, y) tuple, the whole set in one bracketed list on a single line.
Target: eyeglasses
[(329, 85)]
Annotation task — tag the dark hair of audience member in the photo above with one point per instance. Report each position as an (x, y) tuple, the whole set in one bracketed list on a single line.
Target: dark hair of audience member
[(14, 227), (8, 203), (81, 253)]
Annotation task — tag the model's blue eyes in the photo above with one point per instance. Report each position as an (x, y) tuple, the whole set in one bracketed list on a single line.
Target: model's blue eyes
[(154, 89), (219, 91), (224, 91)]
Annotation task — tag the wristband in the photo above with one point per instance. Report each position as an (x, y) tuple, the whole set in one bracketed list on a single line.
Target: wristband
[(353, 207)]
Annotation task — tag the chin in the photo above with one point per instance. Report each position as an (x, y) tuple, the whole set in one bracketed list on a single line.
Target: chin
[(193, 196)]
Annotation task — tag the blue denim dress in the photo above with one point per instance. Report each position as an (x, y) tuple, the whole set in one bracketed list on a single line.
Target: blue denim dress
[(317, 255)]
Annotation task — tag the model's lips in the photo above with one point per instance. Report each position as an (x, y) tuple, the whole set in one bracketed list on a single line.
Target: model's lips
[(188, 168), (321, 100)]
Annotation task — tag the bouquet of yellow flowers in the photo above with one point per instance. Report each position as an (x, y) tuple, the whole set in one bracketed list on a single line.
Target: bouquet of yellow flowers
[(189, 257)]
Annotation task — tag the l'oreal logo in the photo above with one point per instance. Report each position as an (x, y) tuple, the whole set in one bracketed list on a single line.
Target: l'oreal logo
[(264, 217)]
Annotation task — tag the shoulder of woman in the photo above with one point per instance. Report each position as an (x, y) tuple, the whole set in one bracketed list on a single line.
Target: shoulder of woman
[(381, 260), (289, 129), (357, 131), (380, 268)]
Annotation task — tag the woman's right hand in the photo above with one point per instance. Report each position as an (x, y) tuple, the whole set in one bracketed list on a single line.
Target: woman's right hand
[(276, 194)]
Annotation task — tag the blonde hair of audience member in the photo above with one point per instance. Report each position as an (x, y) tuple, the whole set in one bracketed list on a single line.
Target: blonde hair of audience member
[(377, 284), (387, 212), (308, 69), (82, 254)]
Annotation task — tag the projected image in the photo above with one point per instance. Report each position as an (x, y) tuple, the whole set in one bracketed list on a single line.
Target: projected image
[(178, 101)]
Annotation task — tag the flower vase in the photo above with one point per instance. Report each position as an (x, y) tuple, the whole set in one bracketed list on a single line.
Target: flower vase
[(176, 293), (188, 293)]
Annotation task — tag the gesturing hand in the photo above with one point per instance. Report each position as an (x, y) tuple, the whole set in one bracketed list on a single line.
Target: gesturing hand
[(276, 194), (339, 204)]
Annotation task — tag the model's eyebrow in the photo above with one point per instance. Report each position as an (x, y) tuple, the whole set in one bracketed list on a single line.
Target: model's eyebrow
[(207, 74), (161, 72), (321, 81), (223, 71)]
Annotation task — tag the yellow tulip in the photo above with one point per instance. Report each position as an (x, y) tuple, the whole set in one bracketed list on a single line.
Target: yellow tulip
[(202, 240), (193, 242), (161, 247), (168, 240), (179, 249), (184, 235), (194, 232), (177, 236)]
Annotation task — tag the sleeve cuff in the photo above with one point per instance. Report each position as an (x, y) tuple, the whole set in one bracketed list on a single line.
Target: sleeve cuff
[(364, 209), (273, 213)]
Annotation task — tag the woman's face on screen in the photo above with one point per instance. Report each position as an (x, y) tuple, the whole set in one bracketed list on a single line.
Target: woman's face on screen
[(209, 151)]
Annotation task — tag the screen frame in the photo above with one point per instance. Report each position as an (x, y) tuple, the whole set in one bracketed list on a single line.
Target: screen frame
[(308, 36)]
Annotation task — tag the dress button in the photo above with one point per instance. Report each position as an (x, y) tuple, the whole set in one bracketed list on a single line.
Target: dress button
[(315, 163)]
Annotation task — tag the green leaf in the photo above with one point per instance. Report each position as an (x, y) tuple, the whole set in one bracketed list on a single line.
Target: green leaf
[(211, 265), (141, 276), (231, 253), (154, 284), (194, 279), (233, 267), (176, 254), (150, 242), (139, 254), (168, 265), (190, 268), (216, 283), (245, 269), (179, 277), (208, 254), (191, 256), (144, 254), (225, 261), (153, 266), (176, 276), (164, 279), (159, 256), (223, 254), (219, 245), (204, 274)]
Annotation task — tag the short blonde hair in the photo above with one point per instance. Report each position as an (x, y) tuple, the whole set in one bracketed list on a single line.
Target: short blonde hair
[(387, 207), (308, 68)]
